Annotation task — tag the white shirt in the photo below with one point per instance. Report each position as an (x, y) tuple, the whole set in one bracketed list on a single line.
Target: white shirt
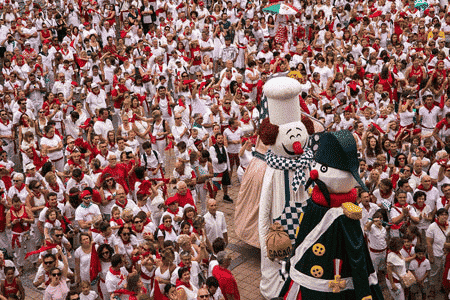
[(233, 136), (86, 214), (96, 101), (115, 282), (439, 238), (377, 237), (366, 214), (102, 128), (215, 226), (420, 271)]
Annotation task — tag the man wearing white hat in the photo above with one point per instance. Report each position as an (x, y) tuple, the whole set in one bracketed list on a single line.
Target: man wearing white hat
[(95, 100), (288, 163)]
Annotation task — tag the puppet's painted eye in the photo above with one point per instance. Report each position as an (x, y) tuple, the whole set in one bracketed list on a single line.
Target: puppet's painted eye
[(323, 169)]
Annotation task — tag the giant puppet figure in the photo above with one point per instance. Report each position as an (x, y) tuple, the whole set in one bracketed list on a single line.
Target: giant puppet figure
[(288, 165), (330, 258)]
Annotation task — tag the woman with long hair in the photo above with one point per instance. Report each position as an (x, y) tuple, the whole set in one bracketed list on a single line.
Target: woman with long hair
[(164, 271), (373, 149), (108, 192)]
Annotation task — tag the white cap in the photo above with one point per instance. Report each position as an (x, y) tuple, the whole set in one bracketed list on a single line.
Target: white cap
[(282, 100), (94, 85), (30, 166)]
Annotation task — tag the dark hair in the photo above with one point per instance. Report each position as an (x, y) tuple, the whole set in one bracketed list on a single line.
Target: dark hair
[(140, 172), (103, 247), (167, 288), (132, 283), (218, 245), (47, 167), (212, 282), (395, 244), (182, 270), (116, 260), (420, 249), (146, 145), (441, 211), (419, 194)]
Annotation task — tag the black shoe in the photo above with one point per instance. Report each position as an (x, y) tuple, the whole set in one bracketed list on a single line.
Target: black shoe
[(227, 198)]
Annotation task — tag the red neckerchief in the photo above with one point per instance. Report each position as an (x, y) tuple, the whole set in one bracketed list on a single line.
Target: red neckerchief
[(443, 225), (245, 121), (418, 207), (429, 109), (7, 122), (420, 260), (196, 232), (180, 283), (316, 81), (114, 272), (444, 201), (119, 221), (125, 243), (51, 222), (420, 187), (100, 119), (131, 295), (122, 205), (227, 110), (408, 250), (164, 228), (135, 230), (417, 175), (37, 195), (21, 187), (400, 206), (384, 195), (335, 199), (173, 212)]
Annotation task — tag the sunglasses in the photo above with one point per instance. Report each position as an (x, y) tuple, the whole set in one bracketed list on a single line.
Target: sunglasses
[(177, 118), (56, 274), (203, 296), (58, 235), (87, 197), (37, 187), (49, 262), (105, 252), (126, 233), (109, 179), (138, 222)]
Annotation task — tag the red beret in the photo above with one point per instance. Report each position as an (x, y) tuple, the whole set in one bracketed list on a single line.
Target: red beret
[(171, 200), (84, 194)]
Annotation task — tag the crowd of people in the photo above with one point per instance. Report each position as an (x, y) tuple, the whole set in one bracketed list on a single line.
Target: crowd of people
[(99, 96)]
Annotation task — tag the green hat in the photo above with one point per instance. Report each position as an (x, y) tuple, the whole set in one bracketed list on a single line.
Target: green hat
[(338, 150)]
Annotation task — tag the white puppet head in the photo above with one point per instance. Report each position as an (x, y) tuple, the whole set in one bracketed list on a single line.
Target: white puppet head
[(336, 167), (287, 140)]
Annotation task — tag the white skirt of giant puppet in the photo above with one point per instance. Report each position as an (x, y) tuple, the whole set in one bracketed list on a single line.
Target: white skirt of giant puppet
[(288, 165)]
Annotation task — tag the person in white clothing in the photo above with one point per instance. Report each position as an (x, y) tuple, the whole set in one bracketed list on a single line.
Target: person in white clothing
[(86, 211), (95, 100), (376, 235), (54, 147), (395, 269), (116, 278), (103, 125), (215, 224), (436, 238)]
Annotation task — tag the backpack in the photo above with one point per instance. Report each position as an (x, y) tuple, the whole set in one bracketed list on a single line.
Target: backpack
[(145, 158)]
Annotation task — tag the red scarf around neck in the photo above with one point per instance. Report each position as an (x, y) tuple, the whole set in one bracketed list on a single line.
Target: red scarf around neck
[(335, 199), (420, 260), (420, 187), (180, 283), (164, 228), (440, 224), (118, 221), (122, 205), (418, 207)]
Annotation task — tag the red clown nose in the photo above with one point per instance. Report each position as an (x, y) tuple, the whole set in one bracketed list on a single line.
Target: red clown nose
[(297, 148)]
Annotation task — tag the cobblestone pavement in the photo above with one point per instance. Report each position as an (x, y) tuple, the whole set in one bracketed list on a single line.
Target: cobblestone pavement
[(245, 265)]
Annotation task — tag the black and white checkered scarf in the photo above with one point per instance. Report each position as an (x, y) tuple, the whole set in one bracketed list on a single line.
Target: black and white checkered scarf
[(299, 164)]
